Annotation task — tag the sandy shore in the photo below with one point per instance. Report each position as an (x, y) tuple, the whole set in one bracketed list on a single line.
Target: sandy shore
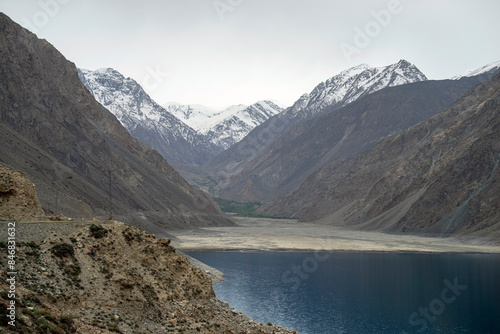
[(285, 234)]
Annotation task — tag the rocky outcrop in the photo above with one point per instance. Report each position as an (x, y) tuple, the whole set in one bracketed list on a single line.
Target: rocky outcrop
[(76, 152), (18, 200), (113, 278), (440, 176)]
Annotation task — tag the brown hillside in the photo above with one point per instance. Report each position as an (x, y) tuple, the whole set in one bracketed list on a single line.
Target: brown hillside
[(440, 176), (112, 278), (18, 200), (284, 163), (53, 130)]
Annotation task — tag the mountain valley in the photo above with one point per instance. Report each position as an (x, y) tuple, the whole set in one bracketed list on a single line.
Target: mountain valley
[(81, 159), (347, 210)]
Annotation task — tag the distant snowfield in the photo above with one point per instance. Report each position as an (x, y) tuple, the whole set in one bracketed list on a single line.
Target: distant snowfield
[(485, 69), (203, 119), (228, 126)]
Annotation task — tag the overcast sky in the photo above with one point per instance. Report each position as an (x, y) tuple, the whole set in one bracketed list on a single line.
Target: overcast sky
[(223, 52)]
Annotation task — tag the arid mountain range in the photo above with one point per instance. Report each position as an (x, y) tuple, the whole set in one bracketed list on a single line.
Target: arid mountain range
[(333, 93), (320, 159), (438, 177), (76, 152), (284, 163)]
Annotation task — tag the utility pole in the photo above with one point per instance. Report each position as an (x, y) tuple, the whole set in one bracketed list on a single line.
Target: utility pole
[(110, 199), (57, 209)]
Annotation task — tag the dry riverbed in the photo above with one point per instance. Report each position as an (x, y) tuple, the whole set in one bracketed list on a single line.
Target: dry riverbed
[(287, 234)]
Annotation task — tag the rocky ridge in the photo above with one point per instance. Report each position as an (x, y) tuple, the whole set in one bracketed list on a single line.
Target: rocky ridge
[(334, 93), (438, 177), (18, 200), (182, 134), (145, 119), (225, 128), (337, 134), (353, 83)]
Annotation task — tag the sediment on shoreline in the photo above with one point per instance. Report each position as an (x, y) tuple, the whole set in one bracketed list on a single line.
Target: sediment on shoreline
[(283, 234)]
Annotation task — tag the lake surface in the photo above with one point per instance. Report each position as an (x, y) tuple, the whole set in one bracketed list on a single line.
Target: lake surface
[(349, 292)]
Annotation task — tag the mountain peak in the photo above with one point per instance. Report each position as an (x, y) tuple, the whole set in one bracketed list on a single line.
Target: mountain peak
[(354, 70), (357, 81), (106, 70), (404, 63), (225, 127)]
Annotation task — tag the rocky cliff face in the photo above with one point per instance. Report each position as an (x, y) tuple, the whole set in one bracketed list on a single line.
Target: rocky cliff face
[(440, 176), (112, 278), (76, 152), (18, 199)]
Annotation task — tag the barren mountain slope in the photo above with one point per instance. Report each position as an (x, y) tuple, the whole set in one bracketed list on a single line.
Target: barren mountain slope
[(440, 176), (76, 151), (339, 134), (333, 93)]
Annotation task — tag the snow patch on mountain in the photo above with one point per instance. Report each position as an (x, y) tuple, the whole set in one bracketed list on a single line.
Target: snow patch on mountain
[(228, 126), (145, 119), (355, 82), (490, 68)]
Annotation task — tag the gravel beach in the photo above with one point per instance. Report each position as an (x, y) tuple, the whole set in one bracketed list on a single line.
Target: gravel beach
[(288, 234)]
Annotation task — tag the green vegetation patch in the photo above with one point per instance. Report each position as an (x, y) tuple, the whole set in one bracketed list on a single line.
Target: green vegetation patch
[(243, 209), (63, 250), (246, 209), (97, 231)]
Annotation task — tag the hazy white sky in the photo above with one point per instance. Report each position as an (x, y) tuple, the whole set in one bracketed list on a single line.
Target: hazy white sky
[(223, 52)]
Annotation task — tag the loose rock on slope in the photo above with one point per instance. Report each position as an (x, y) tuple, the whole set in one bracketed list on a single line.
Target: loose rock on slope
[(113, 278), (18, 200)]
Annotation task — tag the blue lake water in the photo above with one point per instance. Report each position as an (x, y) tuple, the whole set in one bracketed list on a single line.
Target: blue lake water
[(349, 292)]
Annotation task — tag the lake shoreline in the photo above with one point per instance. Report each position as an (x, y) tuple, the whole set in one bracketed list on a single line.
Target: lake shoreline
[(458, 252), (263, 234)]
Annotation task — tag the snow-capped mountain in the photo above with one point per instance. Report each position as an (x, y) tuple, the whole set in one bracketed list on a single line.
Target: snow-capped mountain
[(233, 127), (334, 93), (193, 115), (353, 83), (226, 127), (487, 70), (145, 119)]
